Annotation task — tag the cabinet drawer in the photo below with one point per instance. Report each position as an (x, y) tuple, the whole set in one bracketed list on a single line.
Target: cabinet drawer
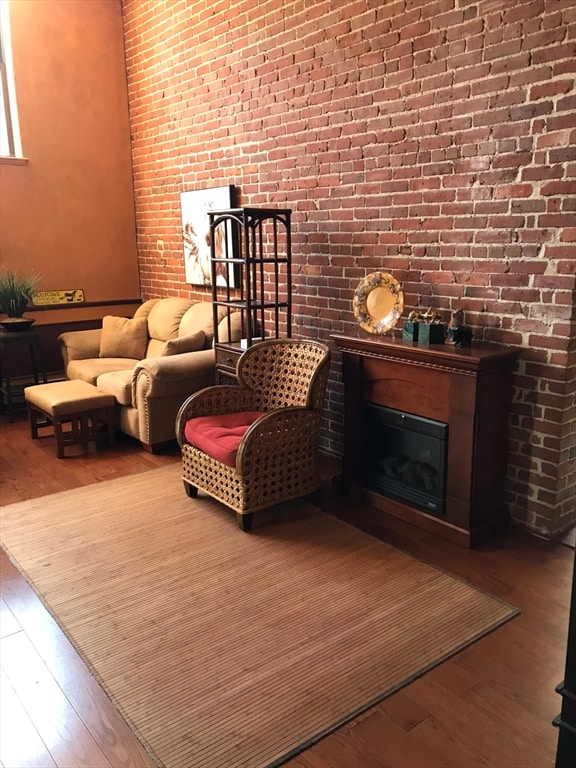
[(226, 359)]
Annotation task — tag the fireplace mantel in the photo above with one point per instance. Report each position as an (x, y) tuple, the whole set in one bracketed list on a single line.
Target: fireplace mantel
[(469, 389)]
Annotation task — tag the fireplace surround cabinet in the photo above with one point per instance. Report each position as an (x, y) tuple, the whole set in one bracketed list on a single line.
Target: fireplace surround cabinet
[(468, 390)]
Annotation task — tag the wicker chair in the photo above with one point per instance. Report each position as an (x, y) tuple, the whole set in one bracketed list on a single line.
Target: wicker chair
[(279, 402)]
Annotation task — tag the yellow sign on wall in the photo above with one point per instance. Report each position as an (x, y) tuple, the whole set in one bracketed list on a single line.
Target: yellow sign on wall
[(50, 298)]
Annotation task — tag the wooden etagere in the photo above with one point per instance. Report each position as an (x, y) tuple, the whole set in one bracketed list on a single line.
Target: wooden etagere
[(251, 261)]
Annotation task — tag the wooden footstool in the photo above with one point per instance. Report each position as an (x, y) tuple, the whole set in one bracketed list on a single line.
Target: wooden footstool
[(89, 412)]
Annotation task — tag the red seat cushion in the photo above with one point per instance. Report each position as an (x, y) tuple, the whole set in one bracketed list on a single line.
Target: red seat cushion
[(219, 436)]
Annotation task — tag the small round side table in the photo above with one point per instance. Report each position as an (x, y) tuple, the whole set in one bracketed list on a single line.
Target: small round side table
[(11, 393)]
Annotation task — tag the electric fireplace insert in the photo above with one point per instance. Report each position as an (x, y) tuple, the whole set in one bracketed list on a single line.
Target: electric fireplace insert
[(406, 457)]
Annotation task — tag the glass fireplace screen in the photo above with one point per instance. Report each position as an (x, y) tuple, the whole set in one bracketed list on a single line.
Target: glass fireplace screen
[(406, 457)]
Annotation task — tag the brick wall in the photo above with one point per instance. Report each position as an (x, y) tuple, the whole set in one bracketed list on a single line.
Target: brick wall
[(433, 139)]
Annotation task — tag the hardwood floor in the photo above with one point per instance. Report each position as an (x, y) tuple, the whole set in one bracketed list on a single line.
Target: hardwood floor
[(490, 705)]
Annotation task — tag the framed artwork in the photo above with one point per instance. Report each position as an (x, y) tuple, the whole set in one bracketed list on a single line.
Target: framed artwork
[(196, 235)]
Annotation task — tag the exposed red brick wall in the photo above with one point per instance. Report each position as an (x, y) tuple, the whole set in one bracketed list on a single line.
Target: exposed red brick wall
[(433, 139)]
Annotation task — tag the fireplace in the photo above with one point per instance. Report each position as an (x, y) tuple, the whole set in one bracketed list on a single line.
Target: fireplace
[(456, 402), (406, 457)]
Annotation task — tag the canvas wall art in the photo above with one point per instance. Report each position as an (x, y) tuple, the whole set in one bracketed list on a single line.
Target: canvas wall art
[(196, 235)]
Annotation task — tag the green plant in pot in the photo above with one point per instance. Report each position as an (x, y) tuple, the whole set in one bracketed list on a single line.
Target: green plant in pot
[(16, 291)]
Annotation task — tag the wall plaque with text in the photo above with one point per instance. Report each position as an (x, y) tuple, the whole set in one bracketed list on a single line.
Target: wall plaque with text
[(54, 298)]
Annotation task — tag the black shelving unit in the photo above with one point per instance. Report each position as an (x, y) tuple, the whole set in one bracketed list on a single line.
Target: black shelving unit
[(251, 262)]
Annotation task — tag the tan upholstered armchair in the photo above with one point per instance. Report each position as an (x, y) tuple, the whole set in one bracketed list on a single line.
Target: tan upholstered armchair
[(256, 445)]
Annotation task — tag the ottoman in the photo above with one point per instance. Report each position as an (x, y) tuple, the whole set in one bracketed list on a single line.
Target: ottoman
[(89, 412)]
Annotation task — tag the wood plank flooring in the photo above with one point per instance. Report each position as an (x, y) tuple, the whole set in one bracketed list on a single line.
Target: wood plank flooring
[(490, 705)]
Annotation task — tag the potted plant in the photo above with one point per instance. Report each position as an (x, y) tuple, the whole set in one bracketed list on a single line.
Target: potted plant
[(16, 291)]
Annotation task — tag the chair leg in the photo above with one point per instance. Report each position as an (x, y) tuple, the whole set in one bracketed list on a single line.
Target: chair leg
[(59, 435), (155, 447), (191, 490), (315, 498), (33, 421), (244, 521)]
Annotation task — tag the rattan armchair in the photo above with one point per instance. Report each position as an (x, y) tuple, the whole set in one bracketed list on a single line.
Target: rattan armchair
[(278, 404)]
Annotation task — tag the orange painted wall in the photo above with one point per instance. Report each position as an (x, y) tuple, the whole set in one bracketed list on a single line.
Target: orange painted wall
[(68, 212)]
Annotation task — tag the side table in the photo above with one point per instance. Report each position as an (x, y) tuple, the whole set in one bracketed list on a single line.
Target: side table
[(10, 393)]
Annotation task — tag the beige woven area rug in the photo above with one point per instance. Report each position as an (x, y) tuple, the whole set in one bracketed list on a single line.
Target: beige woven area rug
[(225, 649)]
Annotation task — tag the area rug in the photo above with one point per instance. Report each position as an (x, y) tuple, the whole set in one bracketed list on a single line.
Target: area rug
[(225, 649)]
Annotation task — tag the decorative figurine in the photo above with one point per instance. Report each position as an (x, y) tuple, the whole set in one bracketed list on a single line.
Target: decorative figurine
[(458, 333)]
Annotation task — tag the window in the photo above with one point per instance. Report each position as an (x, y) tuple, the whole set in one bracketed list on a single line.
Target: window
[(10, 145)]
